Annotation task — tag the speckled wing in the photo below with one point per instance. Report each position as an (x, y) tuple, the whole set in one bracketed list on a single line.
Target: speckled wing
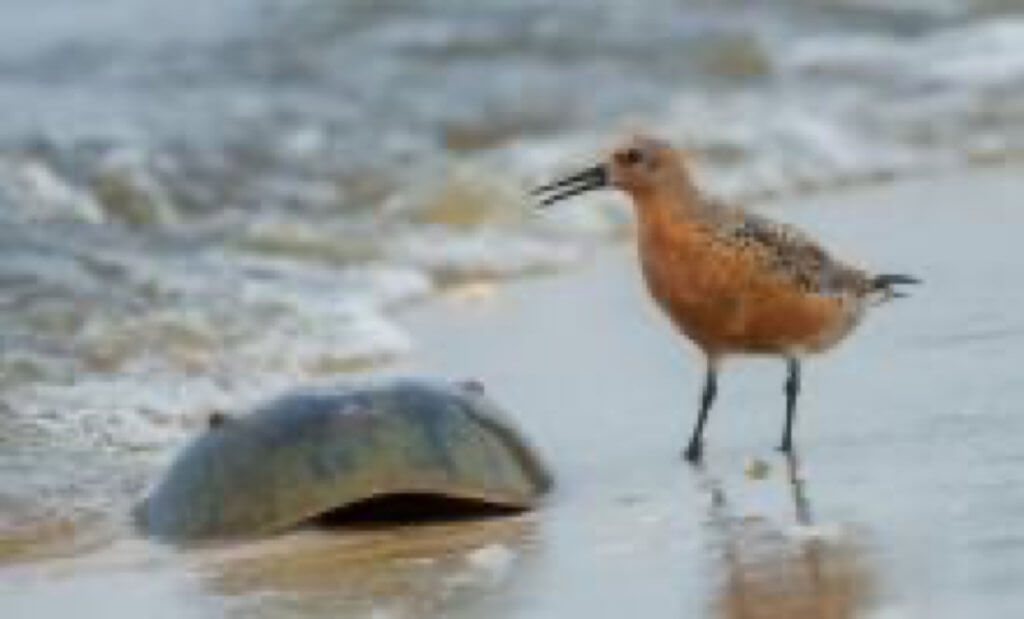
[(792, 255)]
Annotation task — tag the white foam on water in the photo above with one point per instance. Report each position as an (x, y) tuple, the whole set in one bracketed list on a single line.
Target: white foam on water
[(487, 566), (843, 107), (36, 193), (494, 559), (220, 333), (485, 253), (286, 233)]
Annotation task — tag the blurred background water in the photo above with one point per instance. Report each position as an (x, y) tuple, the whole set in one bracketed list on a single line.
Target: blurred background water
[(205, 201)]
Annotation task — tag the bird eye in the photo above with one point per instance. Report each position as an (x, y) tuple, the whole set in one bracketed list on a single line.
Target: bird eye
[(632, 156)]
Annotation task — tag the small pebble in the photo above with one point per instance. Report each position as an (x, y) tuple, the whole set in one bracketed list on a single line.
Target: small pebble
[(757, 469)]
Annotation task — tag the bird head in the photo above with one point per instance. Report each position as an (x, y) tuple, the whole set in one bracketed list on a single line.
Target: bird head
[(639, 166)]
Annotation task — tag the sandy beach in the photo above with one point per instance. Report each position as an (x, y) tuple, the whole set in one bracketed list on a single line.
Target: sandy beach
[(907, 441), (903, 501), (206, 204)]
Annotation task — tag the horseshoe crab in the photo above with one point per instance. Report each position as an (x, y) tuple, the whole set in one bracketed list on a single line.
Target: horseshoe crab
[(412, 448)]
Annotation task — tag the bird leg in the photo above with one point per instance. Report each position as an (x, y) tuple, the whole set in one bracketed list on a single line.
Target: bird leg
[(695, 448), (792, 389)]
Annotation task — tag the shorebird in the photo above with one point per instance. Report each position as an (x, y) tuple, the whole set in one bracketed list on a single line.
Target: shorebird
[(732, 281)]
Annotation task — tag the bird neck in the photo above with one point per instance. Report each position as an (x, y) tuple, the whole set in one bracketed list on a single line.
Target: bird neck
[(668, 207)]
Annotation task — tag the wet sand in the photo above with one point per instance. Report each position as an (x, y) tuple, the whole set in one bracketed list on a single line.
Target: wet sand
[(904, 500), (909, 437)]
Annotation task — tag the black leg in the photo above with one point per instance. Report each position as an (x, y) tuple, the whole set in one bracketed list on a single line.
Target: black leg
[(694, 449), (792, 389), (796, 485)]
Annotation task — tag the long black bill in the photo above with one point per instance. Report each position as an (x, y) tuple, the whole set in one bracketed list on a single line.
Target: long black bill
[(587, 180)]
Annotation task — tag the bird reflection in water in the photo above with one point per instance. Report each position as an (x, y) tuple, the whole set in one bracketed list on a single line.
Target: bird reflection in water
[(787, 570)]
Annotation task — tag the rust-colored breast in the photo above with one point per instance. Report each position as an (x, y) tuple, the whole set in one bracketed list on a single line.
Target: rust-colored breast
[(729, 297)]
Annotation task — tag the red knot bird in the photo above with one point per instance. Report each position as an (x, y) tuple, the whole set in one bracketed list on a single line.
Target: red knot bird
[(732, 281)]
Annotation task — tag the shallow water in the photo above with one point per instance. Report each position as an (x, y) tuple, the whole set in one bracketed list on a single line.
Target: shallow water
[(200, 206), (203, 206), (908, 436), (902, 502)]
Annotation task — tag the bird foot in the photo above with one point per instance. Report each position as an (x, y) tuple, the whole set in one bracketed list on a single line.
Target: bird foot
[(785, 447), (694, 452)]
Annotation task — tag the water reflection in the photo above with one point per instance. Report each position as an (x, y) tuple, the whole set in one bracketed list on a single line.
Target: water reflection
[(415, 571), (777, 568)]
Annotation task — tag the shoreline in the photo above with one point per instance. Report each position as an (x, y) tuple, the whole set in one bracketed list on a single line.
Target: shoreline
[(907, 439)]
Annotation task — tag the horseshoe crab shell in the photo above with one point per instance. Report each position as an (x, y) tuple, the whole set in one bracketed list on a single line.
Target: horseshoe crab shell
[(311, 453)]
